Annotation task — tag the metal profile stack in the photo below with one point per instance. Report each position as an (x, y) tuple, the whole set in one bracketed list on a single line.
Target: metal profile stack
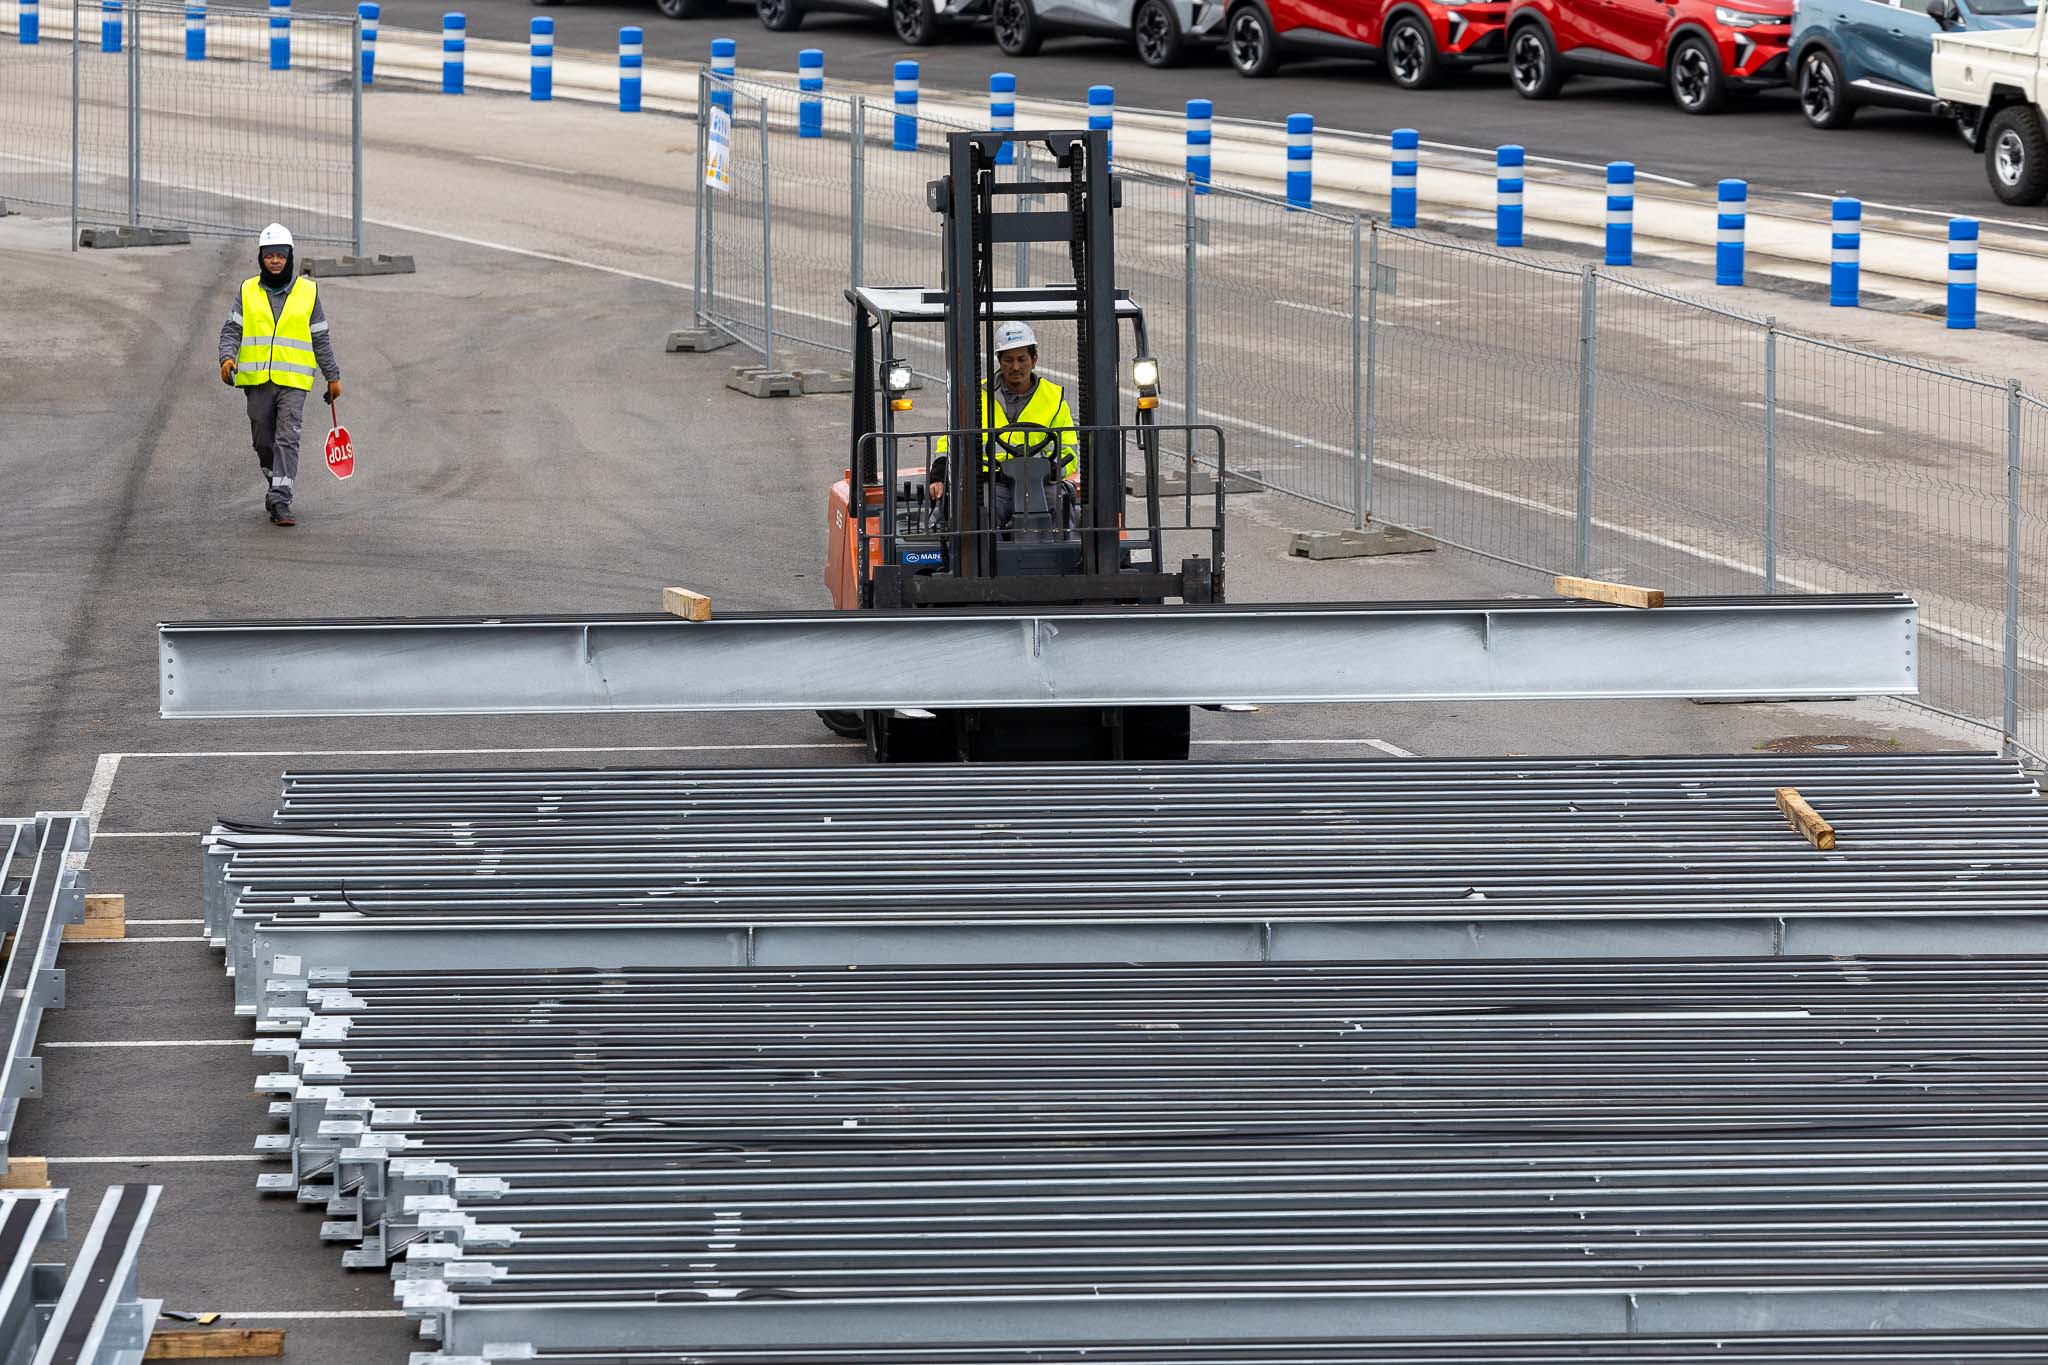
[(92, 1316), (42, 889), (1285, 1155)]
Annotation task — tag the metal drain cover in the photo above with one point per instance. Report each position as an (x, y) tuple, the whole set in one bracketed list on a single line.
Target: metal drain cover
[(1828, 744)]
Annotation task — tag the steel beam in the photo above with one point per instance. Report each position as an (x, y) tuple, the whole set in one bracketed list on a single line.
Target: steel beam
[(1821, 646)]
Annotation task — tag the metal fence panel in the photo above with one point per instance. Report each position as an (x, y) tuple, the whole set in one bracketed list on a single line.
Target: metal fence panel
[(35, 112)]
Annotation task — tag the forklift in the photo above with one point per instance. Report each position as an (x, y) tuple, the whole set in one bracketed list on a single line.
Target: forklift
[(1014, 528)]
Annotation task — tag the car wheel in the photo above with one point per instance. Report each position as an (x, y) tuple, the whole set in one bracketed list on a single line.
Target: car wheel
[(915, 21), (1155, 30), (1696, 76), (1532, 62), (2016, 155), (1016, 27), (1254, 47), (683, 9), (1411, 53), (1823, 95), (779, 16)]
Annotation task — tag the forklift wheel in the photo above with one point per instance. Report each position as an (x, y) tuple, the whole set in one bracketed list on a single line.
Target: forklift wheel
[(845, 724), (898, 739)]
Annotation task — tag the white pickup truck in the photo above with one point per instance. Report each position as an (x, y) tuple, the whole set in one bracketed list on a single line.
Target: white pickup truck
[(1993, 82)]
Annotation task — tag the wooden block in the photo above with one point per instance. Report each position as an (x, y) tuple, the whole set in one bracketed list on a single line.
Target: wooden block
[(691, 606), (216, 1343), (26, 1173), (1620, 594), (106, 917), (1805, 818)]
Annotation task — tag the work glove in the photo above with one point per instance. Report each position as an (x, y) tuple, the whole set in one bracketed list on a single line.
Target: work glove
[(333, 390), (227, 371)]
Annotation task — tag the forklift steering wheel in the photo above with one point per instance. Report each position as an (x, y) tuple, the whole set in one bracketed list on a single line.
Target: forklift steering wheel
[(1027, 440)]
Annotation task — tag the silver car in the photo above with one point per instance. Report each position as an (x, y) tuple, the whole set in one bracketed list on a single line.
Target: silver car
[(1161, 30), (918, 23)]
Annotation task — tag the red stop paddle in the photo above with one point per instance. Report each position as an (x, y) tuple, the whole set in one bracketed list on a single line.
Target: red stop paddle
[(341, 452)]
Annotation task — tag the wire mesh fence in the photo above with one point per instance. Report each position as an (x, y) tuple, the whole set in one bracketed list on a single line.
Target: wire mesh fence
[(209, 118)]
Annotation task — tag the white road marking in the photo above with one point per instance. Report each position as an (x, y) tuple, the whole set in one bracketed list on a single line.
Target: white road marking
[(166, 921), (529, 165), (558, 749), (153, 1042), (154, 1160), (1391, 750), (1925, 213), (1354, 743), (311, 1315), (117, 942), (102, 786), (1809, 417), (149, 834), (1314, 308)]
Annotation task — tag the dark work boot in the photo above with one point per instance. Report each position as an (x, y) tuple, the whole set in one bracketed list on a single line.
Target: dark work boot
[(281, 513)]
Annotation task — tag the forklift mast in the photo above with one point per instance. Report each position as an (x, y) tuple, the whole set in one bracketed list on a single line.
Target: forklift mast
[(979, 212)]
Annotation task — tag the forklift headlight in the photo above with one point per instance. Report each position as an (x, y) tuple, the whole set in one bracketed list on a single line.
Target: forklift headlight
[(1145, 372), (899, 377)]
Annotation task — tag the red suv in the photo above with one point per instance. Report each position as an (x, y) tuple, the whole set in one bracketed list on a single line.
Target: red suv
[(1701, 49), (1416, 40)]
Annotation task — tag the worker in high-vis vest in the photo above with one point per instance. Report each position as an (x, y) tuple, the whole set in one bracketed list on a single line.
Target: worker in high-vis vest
[(272, 347), (1022, 399)]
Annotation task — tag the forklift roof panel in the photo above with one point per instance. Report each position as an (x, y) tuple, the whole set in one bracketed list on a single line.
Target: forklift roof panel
[(1019, 305)]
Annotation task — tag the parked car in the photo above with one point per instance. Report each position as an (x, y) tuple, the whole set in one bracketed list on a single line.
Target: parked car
[(918, 23), (1702, 50), (1992, 81), (1849, 53), (1415, 40), (1161, 31)]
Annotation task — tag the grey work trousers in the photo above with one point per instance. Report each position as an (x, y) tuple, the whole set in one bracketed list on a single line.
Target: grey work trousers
[(275, 415)]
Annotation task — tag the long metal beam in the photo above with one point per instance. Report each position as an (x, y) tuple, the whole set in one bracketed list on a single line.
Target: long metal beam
[(1818, 646)]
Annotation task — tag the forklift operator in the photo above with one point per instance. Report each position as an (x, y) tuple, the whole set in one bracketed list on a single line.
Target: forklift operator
[(1023, 399)]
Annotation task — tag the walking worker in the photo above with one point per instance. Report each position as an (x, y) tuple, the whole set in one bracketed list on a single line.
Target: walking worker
[(1024, 398), (274, 337)]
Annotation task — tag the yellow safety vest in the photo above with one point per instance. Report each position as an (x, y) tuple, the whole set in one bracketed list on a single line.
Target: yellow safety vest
[(1047, 407), (276, 350)]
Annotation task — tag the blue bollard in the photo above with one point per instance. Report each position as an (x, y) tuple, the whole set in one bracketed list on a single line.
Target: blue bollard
[(368, 11), (195, 33), (631, 51), (1102, 115), (1962, 273), (1002, 113), (110, 25), (31, 23), (906, 107), (1301, 152), (1621, 213), (810, 83), (1729, 228), (280, 35), (1844, 272), (540, 47), (1407, 156), (1201, 114), (1507, 190), (453, 36), (725, 59)]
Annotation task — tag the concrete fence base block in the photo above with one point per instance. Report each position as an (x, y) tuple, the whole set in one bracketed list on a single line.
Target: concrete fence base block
[(757, 382), (697, 339), (825, 381), (1176, 485), (4, 210), (1372, 541), (331, 267), (104, 238)]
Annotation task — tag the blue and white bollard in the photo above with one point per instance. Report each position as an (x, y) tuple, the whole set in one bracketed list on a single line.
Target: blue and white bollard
[(632, 49), (540, 47), (810, 84), (195, 33), (31, 23), (280, 35), (368, 11), (453, 32), (1201, 117), (1301, 152), (1845, 259), (1507, 191), (1002, 113), (1407, 153), (725, 60), (1962, 273), (1621, 213), (1729, 228), (110, 25), (1102, 115), (906, 107)]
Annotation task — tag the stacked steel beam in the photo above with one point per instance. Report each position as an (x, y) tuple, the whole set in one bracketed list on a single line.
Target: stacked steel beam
[(95, 1314), (42, 889)]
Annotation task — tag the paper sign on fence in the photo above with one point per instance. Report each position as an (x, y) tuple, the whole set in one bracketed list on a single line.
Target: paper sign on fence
[(718, 151)]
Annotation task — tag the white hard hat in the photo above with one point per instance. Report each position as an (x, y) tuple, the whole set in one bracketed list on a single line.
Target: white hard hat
[(277, 234), (1011, 335)]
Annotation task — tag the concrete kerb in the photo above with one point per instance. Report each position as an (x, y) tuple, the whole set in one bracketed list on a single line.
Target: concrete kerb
[(1353, 172)]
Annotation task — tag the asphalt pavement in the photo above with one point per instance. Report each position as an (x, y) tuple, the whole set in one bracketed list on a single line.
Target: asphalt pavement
[(1887, 157)]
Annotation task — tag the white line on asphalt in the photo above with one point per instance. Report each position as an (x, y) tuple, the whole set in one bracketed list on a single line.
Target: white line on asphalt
[(1315, 308), (153, 1160), (166, 921), (1925, 213), (1352, 135), (155, 1042), (311, 1315), (1391, 750), (1824, 421), (557, 258), (557, 749), (153, 938), (148, 834), (101, 787), (529, 165)]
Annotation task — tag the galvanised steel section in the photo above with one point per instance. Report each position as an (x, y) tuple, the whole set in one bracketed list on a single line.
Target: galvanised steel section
[(27, 1289), (1184, 862), (52, 895), (1045, 1154), (1785, 646), (101, 1318)]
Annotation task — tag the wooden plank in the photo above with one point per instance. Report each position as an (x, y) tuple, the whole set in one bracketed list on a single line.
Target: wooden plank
[(1805, 818), (26, 1173), (1596, 590), (216, 1343), (106, 917), (691, 606)]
